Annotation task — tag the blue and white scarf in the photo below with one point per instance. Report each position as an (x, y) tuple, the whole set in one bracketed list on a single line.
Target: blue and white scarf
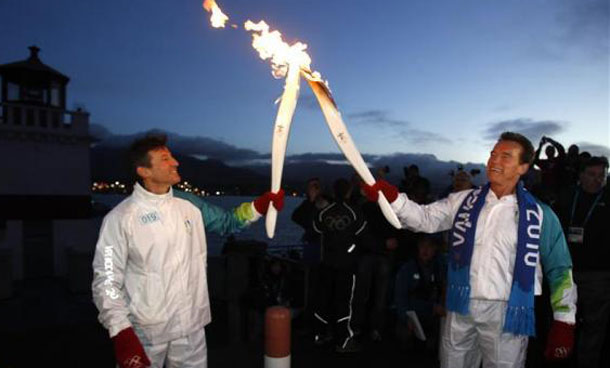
[(520, 318)]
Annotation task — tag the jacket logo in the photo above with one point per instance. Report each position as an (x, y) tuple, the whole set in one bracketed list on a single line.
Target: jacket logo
[(109, 271), (149, 218), (338, 223)]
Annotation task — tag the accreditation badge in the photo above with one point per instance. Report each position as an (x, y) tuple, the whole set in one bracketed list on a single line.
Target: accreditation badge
[(576, 234)]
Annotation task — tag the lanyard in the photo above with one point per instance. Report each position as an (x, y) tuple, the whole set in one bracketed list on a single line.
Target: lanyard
[(576, 195)]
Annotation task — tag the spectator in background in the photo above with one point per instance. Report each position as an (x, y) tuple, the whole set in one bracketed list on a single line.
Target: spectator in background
[(416, 186), (277, 285), (374, 272), (583, 158), (571, 167), (551, 168), (460, 180), (304, 214), (585, 216), (419, 288), (342, 227), (383, 171)]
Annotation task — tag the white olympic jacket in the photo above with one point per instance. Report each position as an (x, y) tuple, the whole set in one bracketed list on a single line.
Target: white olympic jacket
[(150, 268), (495, 247)]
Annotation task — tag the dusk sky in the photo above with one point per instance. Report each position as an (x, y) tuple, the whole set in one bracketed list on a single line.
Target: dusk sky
[(428, 76)]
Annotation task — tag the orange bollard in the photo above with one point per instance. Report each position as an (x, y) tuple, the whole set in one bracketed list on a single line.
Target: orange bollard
[(277, 337)]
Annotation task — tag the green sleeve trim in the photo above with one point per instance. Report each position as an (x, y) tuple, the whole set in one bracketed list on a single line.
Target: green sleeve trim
[(561, 287), (244, 213)]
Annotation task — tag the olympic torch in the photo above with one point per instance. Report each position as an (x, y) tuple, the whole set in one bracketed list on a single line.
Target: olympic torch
[(281, 132)]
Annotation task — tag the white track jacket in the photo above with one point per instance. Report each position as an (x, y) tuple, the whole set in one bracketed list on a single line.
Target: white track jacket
[(495, 247), (149, 269)]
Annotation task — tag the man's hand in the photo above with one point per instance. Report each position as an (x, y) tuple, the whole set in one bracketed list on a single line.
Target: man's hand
[(389, 191), (262, 203), (128, 350), (543, 141), (560, 341)]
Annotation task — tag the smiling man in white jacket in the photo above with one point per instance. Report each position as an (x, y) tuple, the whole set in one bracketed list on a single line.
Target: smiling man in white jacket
[(502, 240), (150, 283)]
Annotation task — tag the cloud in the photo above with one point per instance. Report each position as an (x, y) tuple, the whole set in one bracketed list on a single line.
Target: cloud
[(417, 136), (330, 157), (210, 147), (534, 130), (401, 129), (377, 118), (197, 146), (594, 149)]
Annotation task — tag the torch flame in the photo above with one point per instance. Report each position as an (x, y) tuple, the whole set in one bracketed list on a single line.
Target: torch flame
[(218, 18), (271, 46)]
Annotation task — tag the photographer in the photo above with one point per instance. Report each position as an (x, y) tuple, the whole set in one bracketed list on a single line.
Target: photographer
[(551, 168)]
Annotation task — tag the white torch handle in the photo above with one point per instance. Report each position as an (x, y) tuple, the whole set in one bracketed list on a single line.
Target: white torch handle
[(281, 132), (346, 144)]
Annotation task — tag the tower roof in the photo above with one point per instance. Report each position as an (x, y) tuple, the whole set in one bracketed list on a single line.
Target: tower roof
[(32, 65)]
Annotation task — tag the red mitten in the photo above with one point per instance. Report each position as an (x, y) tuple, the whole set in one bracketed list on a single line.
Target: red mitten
[(128, 350), (560, 341), (262, 203), (389, 191)]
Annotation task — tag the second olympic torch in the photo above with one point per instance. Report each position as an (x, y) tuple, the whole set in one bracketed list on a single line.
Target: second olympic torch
[(344, 141), (281, 131)]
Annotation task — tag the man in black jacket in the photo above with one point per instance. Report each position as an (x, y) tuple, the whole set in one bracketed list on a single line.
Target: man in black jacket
[(584, 212), (342, 228)]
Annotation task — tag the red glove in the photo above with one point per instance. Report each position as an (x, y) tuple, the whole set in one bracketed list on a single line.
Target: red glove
[(262, 203), (560, 341), (372, 191), (128, 350)]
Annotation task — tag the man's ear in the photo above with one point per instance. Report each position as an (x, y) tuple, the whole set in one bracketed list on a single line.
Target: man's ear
[(523, 169), (143, 172)]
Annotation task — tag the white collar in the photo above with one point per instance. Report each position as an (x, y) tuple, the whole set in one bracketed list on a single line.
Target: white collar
[(509, 198), (156, 200)]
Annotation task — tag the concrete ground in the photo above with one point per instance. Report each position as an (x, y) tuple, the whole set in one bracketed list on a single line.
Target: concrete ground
[(45, 325)]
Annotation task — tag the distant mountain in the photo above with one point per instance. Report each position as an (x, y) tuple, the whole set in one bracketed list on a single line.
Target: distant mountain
[(296, 173), (203, 163), (109, 164)]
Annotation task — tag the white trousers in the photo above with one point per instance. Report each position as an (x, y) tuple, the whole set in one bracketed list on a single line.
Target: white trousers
[(466, 340), (186, 352)]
